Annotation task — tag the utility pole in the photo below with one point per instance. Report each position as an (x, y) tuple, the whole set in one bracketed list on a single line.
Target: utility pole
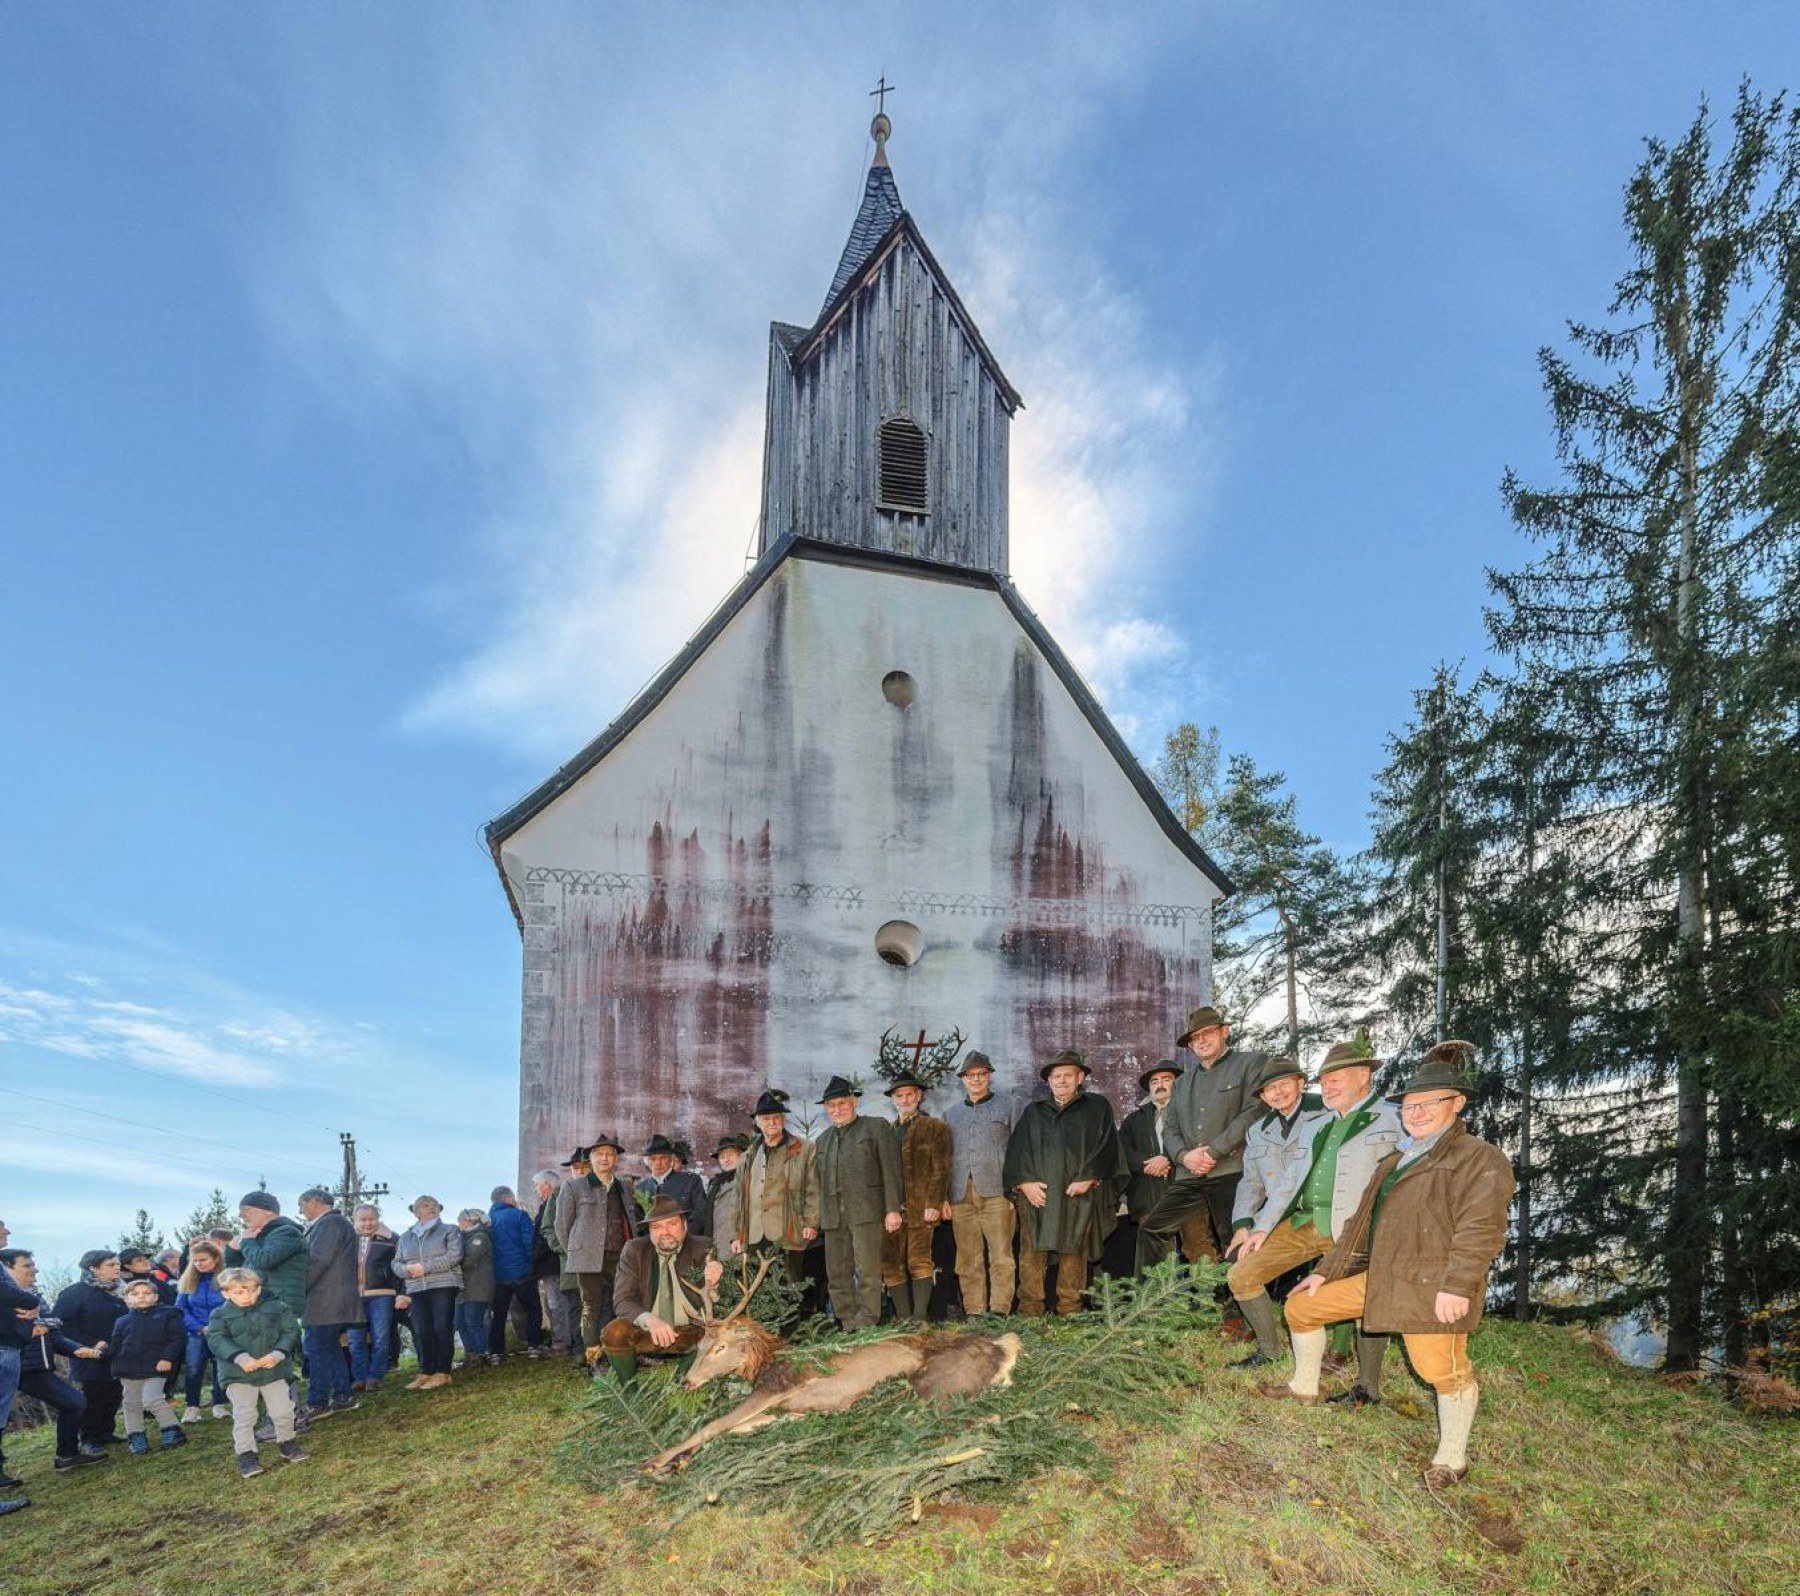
[(351, 1189)]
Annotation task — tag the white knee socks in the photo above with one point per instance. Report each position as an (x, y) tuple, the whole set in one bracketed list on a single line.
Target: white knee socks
[(1309, 1357), (1456, 1416)]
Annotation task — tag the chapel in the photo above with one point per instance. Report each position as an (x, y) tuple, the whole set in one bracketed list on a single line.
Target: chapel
[(869, 815)]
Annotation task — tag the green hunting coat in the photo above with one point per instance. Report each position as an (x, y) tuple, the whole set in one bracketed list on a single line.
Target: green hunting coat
[(279, 1255), (859, 1173), (266, 1326), (1060, 1146)]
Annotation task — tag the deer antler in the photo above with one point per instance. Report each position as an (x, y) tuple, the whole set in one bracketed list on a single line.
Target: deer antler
[(744, 1301), (705, 1304)]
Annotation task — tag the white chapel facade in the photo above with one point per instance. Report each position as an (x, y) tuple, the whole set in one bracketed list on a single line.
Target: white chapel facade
[(870, 797)]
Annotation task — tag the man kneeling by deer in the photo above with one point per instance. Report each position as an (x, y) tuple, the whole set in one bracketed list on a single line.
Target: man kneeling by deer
[(655, 1317)]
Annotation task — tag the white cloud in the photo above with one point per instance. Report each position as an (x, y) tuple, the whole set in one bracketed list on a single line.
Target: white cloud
[(576, 266)]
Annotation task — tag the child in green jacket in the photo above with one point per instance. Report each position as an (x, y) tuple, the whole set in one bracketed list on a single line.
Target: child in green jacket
[(254, 1340)]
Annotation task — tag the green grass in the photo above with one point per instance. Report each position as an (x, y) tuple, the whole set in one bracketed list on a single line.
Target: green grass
[(1589, 1478)]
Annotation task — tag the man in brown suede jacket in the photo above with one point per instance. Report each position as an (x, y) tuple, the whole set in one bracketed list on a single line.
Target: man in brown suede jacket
[(906, 1267)]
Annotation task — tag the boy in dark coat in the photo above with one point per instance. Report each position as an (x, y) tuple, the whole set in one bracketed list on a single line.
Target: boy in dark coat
[(148, 1343), (255, 1338)]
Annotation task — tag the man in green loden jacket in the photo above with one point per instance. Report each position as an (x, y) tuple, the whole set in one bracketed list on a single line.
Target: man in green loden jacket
[(1064, 1165), (275, 1247), (859, 1200)]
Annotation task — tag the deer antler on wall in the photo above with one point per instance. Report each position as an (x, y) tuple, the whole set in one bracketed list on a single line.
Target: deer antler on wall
[(933, 1066)]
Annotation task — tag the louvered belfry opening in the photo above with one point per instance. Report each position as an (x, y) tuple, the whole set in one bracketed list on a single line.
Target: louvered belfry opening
[(903, 467)]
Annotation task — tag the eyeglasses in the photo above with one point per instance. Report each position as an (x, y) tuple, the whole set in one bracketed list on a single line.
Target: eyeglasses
[(1429, 1102)]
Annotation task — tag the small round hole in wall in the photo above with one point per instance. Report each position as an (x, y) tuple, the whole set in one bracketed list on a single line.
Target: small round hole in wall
[(899, 942), (899, 689)]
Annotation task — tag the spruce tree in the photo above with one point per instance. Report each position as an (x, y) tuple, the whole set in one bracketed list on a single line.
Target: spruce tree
[(143, 1235), (210, 1215), (1662, 573)]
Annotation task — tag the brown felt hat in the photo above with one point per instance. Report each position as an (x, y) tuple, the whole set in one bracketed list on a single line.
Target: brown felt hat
[(905, 1078), (1163, 1066), (1198, 1020), (1068, 1055), (976, 1060), (664, 1207)]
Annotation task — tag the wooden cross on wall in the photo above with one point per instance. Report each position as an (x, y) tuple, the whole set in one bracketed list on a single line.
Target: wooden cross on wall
[(917, 1049)]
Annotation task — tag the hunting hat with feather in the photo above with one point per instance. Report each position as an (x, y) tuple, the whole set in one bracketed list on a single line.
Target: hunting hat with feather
[(1446, 1067), (977, 1060), (772, 1101), (837, 1086), (1068, 1055), (579, 1156), (1345, 1055), (658, 1143), (1163, 1066), (1199, 1019), (905, 1078)]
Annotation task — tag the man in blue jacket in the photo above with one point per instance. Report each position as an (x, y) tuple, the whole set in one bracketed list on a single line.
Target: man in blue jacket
[(514, 1281)]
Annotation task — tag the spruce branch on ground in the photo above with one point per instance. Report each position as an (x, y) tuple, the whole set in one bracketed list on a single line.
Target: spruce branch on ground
[(860, 1474)]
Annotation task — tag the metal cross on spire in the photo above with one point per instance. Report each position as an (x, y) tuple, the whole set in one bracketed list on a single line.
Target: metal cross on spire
[(880, 93)]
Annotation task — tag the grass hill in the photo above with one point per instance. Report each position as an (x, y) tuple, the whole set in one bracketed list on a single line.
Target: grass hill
[(1589, 1478)]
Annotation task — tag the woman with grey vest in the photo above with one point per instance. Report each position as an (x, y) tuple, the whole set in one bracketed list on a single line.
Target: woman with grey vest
[(428, 1264)]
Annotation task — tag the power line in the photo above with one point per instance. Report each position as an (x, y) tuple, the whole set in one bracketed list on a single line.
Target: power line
[(76, 1136), (145, 1125)]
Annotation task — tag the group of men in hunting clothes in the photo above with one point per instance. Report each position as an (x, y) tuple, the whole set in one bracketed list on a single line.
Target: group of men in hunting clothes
[(1392, 1210)]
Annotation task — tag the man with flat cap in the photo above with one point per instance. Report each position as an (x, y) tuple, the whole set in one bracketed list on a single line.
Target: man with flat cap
[(1149, 1159), (1211, 1109), (1413, 1259), (774, 1198), (860, 1198), (666, 1180), (658, 1312), (1064, 1165), (595, 1216), (1343, 1145), (981, 1216), (906, 1267)]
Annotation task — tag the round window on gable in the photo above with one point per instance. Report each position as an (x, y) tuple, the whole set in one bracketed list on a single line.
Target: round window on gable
[(904, 478), (899, 689), (900, 943)]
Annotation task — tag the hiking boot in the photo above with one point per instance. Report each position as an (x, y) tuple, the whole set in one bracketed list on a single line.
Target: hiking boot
[(310, 1412), (1355, 1397), (173, 1435), (493, 1360), (290, 1451), (7, 1482), (249, 1465), (13, 1504), (1257, 1360), (344, 1404), (1438, 1476), (190, 1415), (137, 1443)]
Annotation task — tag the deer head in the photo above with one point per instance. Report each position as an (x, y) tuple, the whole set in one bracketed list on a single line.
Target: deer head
[(735, 1345)]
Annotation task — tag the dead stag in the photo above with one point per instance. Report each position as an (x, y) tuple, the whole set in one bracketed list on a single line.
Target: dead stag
[(937, 1367)]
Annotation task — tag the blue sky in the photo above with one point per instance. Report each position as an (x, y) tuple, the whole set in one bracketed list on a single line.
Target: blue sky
[(380, 404)]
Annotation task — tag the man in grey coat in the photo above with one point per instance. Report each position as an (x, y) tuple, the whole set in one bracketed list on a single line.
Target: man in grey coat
[(596, 1215), (860, 1197), (1211, 1109), (333, 1303), (981, 1212)]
